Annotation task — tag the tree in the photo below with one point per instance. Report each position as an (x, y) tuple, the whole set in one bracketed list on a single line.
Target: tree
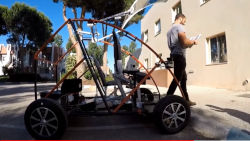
[(120, 6), (58, 40), (70, 63), (125, 6), (99, 9), (130, 49), (27, 26), (136, 17), (69, 45), (93, 50), (124, 55), (3, 26), (96, 52)]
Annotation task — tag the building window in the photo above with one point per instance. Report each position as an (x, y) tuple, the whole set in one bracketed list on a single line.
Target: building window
[(203, 2), (145, 36), (217, 49), (146, 63), (176, 10), (158, 27)]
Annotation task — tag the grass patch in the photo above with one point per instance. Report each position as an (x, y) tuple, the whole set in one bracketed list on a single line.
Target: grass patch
[(4, 78), (109, 78)]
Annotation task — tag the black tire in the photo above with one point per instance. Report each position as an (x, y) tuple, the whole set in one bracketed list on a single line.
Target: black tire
[(45, 119), (171, 114)]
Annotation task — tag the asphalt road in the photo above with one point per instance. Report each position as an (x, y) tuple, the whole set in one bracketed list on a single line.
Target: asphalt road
[(15, 97)]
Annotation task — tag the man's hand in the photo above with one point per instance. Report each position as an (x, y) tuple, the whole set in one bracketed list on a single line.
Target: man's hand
[(186, 43), (195, 42)]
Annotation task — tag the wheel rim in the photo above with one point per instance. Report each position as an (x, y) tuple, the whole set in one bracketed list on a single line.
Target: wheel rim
[(44, 122), (174, 115)]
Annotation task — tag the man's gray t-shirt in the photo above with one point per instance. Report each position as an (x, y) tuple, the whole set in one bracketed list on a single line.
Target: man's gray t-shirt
[(173, 40)]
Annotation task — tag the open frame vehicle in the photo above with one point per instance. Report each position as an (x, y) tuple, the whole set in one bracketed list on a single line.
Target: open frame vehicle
[(46, 118)]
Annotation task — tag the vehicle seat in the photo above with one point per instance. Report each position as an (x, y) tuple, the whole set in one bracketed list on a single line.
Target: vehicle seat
[(118, 60)]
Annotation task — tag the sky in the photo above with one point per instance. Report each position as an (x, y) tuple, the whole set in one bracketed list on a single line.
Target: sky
[(54, 12)]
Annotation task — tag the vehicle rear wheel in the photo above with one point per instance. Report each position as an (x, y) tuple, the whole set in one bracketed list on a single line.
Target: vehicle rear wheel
[(45, 119), (171, 114)]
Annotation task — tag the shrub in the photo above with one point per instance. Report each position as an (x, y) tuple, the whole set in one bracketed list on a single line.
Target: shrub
[(5, 70), (109, 78)]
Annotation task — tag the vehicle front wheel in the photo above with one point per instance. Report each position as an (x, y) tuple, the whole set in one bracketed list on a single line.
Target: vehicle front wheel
[(45, 119)]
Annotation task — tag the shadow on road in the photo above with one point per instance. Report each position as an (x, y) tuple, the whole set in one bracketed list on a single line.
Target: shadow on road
[(244, 95), (23, 89), (236, 113), (15, 99), (123, 127)]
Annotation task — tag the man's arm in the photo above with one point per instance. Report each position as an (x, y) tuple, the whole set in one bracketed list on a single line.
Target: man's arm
[(186, 43)]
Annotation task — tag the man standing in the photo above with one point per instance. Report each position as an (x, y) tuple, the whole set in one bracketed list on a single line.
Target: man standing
[(177, 43)]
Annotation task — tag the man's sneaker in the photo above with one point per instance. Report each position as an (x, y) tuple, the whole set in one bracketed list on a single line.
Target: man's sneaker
[(190, 103)]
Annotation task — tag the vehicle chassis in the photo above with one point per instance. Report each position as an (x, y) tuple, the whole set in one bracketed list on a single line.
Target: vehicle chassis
[(46, 118)]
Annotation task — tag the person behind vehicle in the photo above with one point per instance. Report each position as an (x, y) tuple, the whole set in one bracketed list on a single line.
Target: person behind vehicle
[(178, 43)]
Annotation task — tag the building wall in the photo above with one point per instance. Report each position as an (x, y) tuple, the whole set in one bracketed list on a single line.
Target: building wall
[(212, 18)]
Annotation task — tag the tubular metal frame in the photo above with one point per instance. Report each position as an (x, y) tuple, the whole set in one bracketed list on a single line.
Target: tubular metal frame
[(91, 66)]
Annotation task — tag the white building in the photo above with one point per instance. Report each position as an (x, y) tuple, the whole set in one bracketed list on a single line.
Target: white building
[(221, 59), (7, 55)]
